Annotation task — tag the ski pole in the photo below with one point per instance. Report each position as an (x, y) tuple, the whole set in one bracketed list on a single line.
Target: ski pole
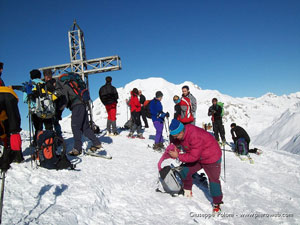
[(166, 128), (2, 194), (224, 164)]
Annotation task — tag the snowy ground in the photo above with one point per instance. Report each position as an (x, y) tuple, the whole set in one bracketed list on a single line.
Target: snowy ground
[(122, 190)]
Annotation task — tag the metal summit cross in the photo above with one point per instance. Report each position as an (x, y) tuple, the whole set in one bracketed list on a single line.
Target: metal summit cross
[(79, 64)]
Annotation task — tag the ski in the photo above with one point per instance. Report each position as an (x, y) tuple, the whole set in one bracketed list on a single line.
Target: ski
[(102, 154), (248, 157)]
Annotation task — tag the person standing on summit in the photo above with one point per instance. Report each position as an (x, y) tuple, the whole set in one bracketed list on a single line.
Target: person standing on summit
[(109, 97), (215, 111), (186, 93)]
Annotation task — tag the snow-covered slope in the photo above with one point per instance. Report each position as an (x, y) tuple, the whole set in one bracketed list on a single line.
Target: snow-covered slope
[(284, 133), (122, 190), (254, 114)]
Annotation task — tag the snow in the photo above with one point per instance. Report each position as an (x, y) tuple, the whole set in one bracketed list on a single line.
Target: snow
[(122, 190)]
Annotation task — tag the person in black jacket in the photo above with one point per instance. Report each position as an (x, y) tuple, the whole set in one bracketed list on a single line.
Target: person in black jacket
[(10, 127), (109, 97), (238, 132), (79, 118), (143, 113), (215, 112)]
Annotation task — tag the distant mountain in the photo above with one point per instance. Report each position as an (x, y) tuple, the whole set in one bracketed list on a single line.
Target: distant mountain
[(256, 115)]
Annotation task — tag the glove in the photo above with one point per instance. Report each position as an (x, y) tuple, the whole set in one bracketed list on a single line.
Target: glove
[(15, 142), (167, 115), (28, 87)]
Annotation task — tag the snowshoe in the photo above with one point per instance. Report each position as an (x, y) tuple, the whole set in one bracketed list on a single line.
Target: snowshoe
[(140, 136)]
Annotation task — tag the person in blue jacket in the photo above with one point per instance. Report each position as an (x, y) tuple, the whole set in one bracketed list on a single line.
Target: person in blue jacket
[(158, 117)]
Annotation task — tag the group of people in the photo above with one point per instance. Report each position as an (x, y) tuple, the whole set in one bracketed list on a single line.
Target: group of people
[(194, 146)]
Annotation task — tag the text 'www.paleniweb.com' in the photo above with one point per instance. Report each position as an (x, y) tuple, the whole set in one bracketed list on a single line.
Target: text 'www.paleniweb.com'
[(242, 215)]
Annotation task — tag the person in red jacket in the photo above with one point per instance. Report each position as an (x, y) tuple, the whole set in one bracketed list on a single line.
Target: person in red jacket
[(135, 108), (182, 109), (201, 150)]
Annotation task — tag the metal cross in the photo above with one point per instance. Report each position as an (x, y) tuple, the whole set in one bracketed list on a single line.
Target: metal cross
[(81, 65)]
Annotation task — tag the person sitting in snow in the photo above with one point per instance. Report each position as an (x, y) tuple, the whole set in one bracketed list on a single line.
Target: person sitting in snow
[(238, 132), (201, 151), (158, 117), (135, 108)]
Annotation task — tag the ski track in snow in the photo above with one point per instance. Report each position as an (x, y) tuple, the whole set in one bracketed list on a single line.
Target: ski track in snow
[(122, 190)]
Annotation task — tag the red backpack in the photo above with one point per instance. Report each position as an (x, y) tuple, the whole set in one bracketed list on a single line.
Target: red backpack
[(188, 117)]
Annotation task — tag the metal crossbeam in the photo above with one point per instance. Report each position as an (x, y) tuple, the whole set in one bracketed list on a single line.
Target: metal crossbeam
[(93, 66)]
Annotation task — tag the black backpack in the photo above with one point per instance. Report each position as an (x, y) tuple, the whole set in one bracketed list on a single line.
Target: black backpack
[(147, 108), (47, 145)]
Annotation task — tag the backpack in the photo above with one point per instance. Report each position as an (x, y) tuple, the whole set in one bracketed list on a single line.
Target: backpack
[(77, 84), (147, 109), (242, 147), (221, 104), (46, 152), (188, 117), (128, 124), (170, 180), (44, 105)]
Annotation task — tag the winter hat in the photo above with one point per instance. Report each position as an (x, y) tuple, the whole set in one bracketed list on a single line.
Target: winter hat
[(158, 94), (108, 79), (1, 65), (233, 125), (176, 99), (35, 74), (175, 127)]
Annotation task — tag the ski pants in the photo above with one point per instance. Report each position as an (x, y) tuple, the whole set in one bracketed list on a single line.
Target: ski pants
[(143, 113), (38, 125), (159, 126), (111, 111), (80, 125), (137, 125), (219, 129), (212, 171)]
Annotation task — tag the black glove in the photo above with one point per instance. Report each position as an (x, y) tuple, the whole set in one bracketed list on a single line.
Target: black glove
[(167, 115)]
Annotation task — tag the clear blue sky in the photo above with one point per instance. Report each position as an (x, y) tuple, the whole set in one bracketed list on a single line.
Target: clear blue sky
[(241, 48)]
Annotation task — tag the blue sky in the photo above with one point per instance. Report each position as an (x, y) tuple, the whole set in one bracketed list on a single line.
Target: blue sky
[(241, 48)]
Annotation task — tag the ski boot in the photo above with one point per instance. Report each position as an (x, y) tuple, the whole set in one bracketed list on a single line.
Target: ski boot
[(217, 208), (74, 152), (130, 135), (140, 136), (94, 148)]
